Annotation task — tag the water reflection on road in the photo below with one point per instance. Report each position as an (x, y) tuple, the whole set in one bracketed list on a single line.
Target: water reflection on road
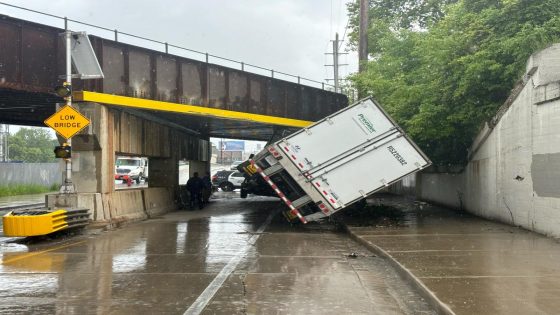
[(163, 266)]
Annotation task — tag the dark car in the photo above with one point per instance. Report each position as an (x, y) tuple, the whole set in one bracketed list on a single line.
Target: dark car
[(220, 179)]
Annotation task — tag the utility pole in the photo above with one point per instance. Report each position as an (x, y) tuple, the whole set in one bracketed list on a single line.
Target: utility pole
[(335, 63), (363, 41)]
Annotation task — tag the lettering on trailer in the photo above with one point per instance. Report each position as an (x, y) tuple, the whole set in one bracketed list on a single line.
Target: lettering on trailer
[(396, 154), (366, 123)]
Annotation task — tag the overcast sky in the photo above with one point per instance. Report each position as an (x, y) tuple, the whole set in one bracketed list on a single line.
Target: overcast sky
[(286, 35)]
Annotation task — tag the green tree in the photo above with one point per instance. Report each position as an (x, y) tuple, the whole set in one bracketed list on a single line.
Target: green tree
[(442, 81), (32, 145)]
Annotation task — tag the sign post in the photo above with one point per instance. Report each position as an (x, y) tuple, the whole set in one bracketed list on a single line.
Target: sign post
[(68, 121)]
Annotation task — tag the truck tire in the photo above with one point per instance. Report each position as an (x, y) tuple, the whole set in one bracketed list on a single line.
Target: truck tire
[(243, 193), (139, 178)]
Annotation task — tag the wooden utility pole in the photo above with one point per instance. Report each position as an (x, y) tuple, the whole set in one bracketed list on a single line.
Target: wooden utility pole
[(363, 44)]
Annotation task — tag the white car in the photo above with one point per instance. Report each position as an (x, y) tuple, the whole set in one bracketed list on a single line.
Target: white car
[(234, 181)]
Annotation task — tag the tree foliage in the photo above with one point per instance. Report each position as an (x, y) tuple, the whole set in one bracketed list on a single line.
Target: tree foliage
[(441, 75), (32, 145)]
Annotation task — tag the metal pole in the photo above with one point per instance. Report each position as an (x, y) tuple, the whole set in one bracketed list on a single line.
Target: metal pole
[(242, 66), (3, 145), (335, 62), (116, 36), (68, 187), (272, 73), (363, 39)]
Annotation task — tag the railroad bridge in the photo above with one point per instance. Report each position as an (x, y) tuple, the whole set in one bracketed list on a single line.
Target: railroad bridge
[(149, 103)]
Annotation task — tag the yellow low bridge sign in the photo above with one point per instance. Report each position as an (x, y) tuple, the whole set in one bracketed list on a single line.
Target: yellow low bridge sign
[(67, 122)]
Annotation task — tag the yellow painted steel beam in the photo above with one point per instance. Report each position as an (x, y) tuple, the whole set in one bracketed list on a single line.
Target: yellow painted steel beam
[(140, 103)]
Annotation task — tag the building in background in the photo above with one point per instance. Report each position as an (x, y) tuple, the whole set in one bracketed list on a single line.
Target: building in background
[(230, 151)]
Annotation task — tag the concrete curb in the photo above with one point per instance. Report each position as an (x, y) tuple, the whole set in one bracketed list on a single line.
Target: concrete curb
[(422, 289)]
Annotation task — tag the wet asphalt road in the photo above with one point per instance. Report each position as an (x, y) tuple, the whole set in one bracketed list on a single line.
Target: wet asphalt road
[(233, 257)]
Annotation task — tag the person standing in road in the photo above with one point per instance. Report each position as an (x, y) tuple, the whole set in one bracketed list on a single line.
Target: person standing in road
[(195, 186), (207, 188)]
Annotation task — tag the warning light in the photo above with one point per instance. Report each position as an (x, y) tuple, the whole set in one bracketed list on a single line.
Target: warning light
[(63, 90), (63, 152)]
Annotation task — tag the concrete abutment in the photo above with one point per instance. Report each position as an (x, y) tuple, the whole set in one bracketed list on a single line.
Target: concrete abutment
[(117, 132)]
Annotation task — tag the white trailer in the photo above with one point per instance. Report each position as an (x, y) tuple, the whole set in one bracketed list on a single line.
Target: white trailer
[(337, 161)]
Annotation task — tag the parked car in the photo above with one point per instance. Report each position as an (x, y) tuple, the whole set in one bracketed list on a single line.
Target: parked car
[(228, 180), (220, 179), (235, 179)]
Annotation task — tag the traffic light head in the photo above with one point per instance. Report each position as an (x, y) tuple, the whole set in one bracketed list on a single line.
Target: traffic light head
[(63, 152), (63, 90)]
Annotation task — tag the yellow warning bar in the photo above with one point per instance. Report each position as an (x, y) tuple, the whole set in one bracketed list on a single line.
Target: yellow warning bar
[(86, 96)]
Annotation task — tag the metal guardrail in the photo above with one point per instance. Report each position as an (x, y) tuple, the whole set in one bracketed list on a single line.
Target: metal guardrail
[(166, 46)]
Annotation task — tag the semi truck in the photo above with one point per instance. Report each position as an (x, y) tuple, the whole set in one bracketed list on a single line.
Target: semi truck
[(333, 163)]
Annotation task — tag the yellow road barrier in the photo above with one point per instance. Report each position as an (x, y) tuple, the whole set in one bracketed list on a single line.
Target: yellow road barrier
[(25, 223)]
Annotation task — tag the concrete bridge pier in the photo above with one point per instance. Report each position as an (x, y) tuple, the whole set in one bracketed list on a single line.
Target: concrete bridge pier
[(118, 132)]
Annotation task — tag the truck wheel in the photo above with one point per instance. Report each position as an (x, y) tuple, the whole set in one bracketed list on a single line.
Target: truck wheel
[(243, 193), (139, 178)]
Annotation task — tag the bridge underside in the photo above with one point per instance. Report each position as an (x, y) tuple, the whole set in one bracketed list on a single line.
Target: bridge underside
[(32, 108)]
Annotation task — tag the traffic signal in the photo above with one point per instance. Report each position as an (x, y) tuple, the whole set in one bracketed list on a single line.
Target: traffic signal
[(63, 152), (63, 90)]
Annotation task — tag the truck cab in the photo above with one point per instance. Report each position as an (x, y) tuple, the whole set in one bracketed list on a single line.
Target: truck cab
[(135, 168)]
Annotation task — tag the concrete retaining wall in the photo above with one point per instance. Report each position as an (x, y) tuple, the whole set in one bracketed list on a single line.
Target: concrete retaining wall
[(158, 201), (30, 173), (118, 206), (513, 174)]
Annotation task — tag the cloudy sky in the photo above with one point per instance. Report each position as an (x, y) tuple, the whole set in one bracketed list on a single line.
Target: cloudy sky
[(286, 35)]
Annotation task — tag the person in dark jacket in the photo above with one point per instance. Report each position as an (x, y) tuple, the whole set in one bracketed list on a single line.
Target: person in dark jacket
[(195, 187), (207, 190)]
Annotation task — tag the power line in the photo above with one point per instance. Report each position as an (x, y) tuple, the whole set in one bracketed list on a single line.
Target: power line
[(345, 29)]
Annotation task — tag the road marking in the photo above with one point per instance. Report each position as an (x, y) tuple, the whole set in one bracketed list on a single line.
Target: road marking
[(204, 298), (31, 254)]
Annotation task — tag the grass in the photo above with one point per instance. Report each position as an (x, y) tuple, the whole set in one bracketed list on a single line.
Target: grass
[(25, 189)]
